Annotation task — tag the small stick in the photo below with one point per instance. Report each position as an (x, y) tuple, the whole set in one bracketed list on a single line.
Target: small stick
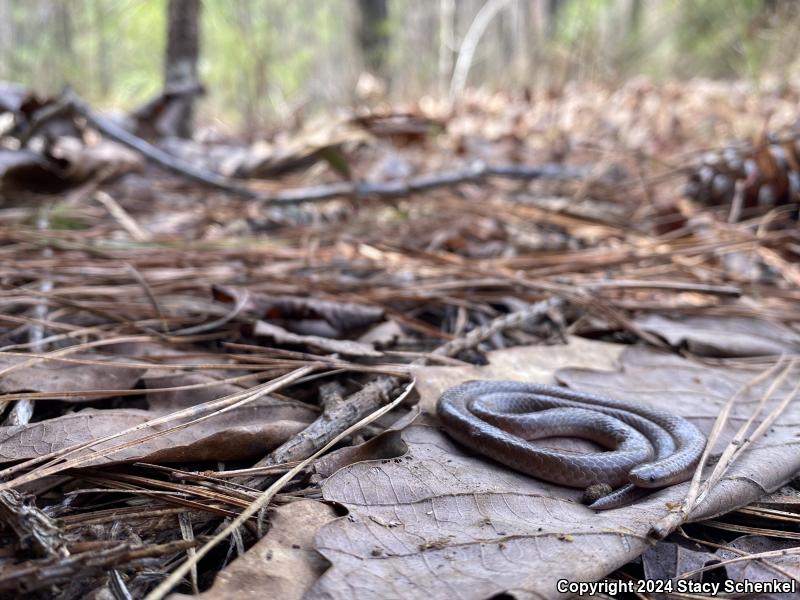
[(340, 412)]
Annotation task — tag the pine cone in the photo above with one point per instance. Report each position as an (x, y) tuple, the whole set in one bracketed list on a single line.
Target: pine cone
[(769, 173)]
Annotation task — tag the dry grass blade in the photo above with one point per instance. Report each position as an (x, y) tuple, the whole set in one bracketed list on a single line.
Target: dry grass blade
[(768, 564), (263, 500), (742, 440), (661, 529)]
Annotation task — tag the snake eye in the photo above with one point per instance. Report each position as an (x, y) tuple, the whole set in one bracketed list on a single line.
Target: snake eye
[(652, 478)]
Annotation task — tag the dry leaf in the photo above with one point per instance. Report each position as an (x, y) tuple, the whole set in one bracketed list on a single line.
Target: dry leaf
[(668, 560), (723, 336), (283, 564), (26, 170), (342, 316), (442, 522), (54, 376), (246, 432), (534, 364), (698, 392), (281, 336)]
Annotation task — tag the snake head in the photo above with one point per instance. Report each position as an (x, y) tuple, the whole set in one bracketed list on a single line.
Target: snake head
[(646, 478)]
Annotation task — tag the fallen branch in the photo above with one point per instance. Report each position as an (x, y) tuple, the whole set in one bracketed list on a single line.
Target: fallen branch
[(476, 172)]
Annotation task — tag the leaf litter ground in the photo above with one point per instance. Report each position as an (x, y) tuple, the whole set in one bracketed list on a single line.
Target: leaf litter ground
[(169, 350)]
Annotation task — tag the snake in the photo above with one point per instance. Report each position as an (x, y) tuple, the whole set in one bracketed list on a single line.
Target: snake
[(645, 448)]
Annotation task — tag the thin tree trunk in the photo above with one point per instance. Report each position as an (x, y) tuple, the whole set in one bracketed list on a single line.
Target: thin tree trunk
[(180, 70)]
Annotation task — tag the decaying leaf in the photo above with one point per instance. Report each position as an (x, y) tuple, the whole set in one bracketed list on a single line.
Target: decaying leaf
[(536, 364), (690, 561), (172, 400), (104, 158), (23, 169), (699, 392), (318, 140)]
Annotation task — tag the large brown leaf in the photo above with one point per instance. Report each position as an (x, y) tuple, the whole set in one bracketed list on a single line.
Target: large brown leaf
[(698, 392), (443, 522), (246, 432)]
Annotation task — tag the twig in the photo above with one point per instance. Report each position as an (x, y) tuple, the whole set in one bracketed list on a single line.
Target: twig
[(337, 417), (121, 216), (476, 172), (677, 286), (340, 412), (152, 153), (514, 319)]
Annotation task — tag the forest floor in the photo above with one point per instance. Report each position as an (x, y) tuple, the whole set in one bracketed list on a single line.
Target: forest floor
[(231, 389)]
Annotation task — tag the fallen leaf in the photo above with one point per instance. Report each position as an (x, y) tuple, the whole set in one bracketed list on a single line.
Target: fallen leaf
[(283, 564), (383, 335), (534, 364), (174, 399), (723, 336), (442, 522), (106, 158), (342, 316), (698, 392), (669, 561), (26, 170), (281, 336), (246, 432), (758, 570), (54, 376)]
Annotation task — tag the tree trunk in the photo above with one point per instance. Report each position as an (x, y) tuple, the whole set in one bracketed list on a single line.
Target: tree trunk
[(373, 36), (180, 69)]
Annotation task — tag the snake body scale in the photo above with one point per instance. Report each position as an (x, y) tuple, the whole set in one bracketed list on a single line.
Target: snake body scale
[(648, 448)]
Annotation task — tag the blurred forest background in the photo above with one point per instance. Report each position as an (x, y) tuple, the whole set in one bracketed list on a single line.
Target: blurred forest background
[(263, 62)]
